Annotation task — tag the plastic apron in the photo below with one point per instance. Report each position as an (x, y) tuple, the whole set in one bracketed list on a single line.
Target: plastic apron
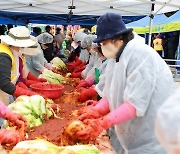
[(84, 55), (36, 63), (97, 64), (93, 58), (142, 78), (4, 97), (102, 69)]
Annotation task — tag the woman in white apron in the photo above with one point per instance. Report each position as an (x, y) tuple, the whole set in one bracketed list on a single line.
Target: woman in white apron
[(137, 82), (17, 38)]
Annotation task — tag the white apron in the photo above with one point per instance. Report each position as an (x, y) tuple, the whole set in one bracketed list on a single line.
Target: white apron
[(142, 78)]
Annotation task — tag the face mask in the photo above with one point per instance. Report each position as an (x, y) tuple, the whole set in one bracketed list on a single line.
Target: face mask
[(109, 50)]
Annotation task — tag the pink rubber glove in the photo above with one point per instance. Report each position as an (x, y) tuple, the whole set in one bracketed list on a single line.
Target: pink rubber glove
[(94, 109), (122, 114), (90, 81), (3, 110), (7, 114), (94, 127)]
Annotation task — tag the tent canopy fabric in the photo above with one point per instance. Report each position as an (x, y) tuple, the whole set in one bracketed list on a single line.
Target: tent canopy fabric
[(169, 25), (81, 12), (62, 19), (141, 26), (145, 21), (10, 21), (92, 7), (174, 18)]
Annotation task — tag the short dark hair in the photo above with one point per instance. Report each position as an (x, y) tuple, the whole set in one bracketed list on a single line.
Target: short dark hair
[(47, 28), (58, 30), (9, 26)]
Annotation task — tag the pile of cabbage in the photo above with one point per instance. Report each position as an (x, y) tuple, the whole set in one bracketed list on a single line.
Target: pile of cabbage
[(52, 77), (43, 146), (33, 108), (58, 64)]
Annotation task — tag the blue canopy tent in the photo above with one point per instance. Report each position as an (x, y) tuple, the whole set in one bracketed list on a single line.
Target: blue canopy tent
[(63, 19), (145, 21), (10, 21), (175, 17)]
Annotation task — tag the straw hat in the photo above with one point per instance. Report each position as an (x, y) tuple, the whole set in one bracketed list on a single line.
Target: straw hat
[(32, 50), (18, 36)]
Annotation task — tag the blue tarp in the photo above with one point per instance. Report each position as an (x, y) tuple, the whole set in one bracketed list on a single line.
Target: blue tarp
[(64, 19), (175, 17), (145, 21), (10, 21)]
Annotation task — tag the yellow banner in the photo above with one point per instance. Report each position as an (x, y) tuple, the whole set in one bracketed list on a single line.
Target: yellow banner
[(170, 27)]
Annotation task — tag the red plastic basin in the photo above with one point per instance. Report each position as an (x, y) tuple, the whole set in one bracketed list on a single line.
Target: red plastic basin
[(52, 91)]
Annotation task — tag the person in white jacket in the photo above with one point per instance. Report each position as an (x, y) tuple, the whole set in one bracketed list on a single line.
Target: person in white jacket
[(167, 124), (94, 59), (137, 82)]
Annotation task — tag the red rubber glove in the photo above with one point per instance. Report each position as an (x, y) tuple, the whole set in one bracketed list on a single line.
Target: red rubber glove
[(82, 83), (34, 78), (22, 85), (30, 82), (21, 91), (10, 137), (92, 130), (76, 75), (82, 64), (70, 67), (79, 69), (94, 109), (42, 80), (88, 94), (77, 62)]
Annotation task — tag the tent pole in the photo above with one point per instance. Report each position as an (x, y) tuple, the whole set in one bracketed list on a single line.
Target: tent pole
[(151, 23)]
